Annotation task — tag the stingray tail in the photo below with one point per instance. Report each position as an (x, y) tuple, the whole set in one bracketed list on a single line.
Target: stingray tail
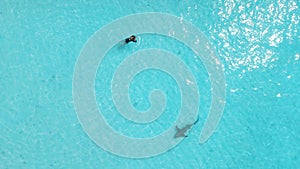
[(196, 120)]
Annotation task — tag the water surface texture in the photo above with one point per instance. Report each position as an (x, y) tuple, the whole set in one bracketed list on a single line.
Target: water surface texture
[(256, 42)]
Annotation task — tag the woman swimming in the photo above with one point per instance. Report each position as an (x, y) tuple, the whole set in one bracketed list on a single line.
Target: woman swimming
[(132, 38)]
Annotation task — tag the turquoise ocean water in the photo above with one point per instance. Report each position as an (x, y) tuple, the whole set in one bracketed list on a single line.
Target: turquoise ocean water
[(257, 41)]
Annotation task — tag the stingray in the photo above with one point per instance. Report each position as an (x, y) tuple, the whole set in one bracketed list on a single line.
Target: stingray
[(181, 132)]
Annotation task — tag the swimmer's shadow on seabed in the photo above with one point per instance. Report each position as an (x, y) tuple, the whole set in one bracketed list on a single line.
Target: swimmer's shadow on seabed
[(121, 45)]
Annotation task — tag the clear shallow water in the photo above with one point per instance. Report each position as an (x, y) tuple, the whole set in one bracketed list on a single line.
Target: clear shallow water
[(257, 42)]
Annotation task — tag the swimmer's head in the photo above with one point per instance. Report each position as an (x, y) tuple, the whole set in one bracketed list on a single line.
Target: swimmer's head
[(132, 37)]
